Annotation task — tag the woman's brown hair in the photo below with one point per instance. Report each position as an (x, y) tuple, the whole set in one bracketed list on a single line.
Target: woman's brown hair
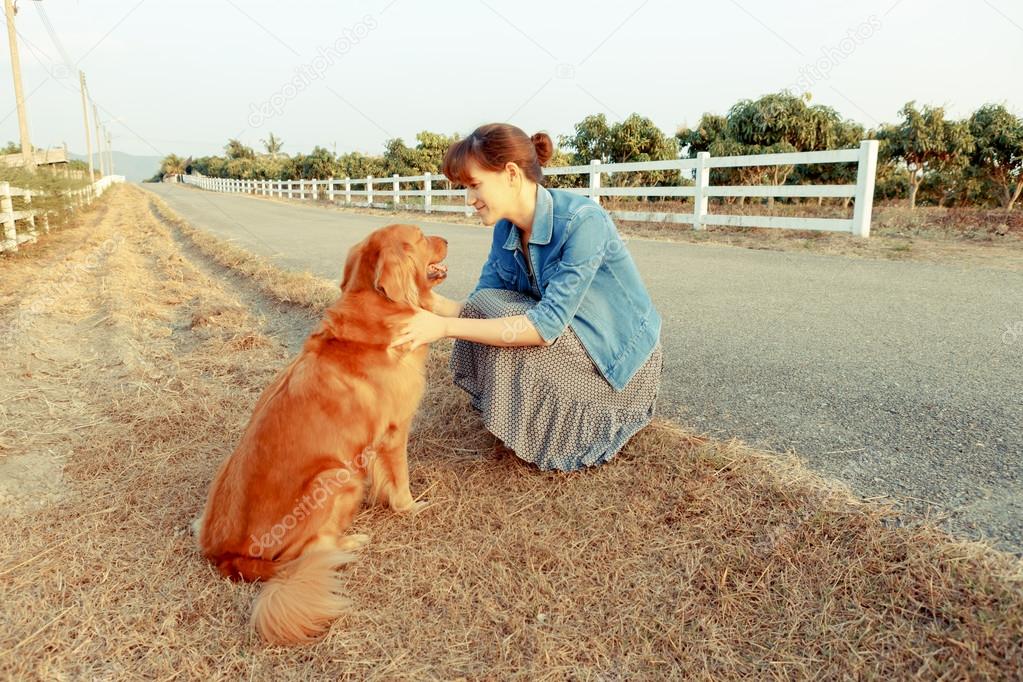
[(492, 146)]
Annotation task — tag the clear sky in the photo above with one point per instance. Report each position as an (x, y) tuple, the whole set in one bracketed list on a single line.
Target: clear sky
[(183, 76)]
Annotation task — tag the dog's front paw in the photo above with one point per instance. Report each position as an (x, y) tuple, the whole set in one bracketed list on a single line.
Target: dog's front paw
[(414, 508), (353, 541)]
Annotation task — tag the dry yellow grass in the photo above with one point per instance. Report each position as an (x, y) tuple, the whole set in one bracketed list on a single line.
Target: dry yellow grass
[(681, 558)]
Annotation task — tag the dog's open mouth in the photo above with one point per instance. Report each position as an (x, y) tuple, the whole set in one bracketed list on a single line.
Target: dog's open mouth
[(436, 271)]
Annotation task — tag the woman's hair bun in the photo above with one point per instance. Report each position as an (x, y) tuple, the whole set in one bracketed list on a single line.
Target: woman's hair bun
[(544, 147)]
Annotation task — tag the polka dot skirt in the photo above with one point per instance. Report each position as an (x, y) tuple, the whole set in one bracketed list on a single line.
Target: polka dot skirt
[(550, 405)]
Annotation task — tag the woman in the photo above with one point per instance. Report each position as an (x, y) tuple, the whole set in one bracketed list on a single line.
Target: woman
[(559, 343)]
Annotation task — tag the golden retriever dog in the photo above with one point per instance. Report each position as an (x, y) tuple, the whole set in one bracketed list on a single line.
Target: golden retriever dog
[(332, 423)]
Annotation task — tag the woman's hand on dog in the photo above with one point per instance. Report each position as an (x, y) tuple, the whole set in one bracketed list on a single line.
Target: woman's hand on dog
[(423, 328)]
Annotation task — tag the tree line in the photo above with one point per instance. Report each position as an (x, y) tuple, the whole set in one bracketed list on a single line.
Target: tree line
[(924, 157)]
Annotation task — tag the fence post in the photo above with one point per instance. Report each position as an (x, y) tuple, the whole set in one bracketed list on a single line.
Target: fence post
[(369, 189), (291, 189), (866, 170), (427, 193), (595, 180), (10, 240), (348, 190), (701, 181), (330, 189), (32, 234), (395, 189)]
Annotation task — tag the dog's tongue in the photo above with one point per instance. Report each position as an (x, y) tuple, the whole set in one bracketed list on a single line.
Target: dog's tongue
[(437, 270)]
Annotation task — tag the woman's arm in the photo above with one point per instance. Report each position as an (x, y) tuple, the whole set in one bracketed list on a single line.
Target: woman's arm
[(445, 307), (426, 327), (515, 330)]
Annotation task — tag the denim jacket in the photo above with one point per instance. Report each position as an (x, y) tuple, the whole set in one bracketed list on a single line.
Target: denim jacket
[(585, 277)]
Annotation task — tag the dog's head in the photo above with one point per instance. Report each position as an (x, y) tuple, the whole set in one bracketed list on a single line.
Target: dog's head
[(399, 262)]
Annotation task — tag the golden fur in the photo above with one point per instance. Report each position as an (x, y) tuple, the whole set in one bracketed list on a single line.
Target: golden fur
[(333, 422)]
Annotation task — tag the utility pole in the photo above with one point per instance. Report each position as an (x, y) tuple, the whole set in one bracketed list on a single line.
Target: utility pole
[(19, 95), (85, 116), (110, 155), (99, 141)]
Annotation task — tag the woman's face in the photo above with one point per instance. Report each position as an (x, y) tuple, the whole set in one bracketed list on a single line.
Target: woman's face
[(491, 193)]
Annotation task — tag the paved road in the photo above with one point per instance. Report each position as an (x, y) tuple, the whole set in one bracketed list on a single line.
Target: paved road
[(896, 378)]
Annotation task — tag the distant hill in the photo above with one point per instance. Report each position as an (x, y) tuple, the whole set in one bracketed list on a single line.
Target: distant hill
[(134, 168)]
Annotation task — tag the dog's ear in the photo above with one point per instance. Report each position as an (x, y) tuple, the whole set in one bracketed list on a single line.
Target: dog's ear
[(396, 275), (352, 265)]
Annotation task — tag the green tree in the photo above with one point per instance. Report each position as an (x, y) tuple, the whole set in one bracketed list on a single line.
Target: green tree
[(432, 147), (775, 123), (924, 143), (400, 159), (273, 145), (636, 138), (358, 165), (236, 150), (592, 140), (172, 164), (998, 151), (319, 164)]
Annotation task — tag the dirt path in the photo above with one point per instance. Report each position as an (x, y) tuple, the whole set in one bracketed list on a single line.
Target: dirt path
[(129, 363), (111, 305)]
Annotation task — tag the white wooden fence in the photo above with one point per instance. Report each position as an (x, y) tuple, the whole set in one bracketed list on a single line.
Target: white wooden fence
[(364, 191), (13, 237)]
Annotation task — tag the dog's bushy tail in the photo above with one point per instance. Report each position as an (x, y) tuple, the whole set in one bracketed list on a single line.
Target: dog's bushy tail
[(302, 598)]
